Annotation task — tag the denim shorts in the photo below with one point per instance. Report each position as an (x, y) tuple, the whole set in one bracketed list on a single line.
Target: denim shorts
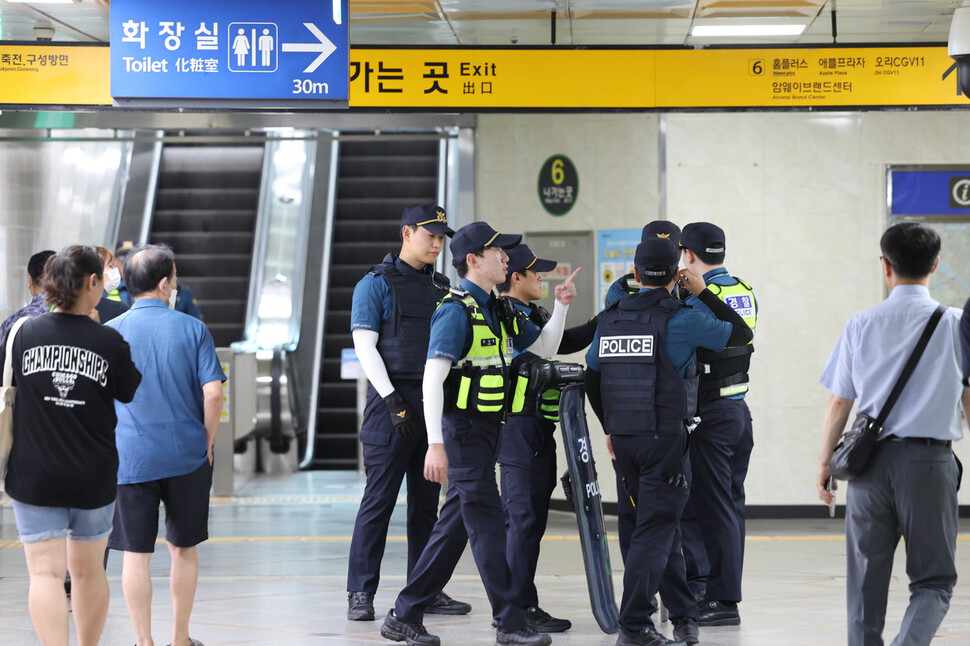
[(42, 523)]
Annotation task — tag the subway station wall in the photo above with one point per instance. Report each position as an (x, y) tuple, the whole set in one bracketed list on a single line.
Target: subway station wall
[(802, 200)]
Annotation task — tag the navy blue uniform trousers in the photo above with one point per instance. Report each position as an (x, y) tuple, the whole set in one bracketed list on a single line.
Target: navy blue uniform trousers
[(388, 459), (720, 450), (472, 513), (528, 474), (654, 561)]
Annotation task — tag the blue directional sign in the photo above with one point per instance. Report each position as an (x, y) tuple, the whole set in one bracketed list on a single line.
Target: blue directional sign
[(931, 192), (230, 49)]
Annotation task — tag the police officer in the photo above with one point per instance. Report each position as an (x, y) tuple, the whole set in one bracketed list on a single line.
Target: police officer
[(466, 379), (623, 286), (390, 322), (722, 442), (528, 450), (645, 345)]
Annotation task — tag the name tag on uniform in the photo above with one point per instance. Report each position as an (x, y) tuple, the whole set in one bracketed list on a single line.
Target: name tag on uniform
[(626, 346), (742, 304), (488, 342)]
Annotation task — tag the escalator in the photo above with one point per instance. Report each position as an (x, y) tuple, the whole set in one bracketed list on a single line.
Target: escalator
[(205, 209), (376, 180)]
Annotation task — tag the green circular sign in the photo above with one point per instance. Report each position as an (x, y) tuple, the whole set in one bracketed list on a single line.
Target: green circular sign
[(558, 185)]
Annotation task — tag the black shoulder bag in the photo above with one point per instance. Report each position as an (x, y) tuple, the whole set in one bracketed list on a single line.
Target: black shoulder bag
[(852, 453)]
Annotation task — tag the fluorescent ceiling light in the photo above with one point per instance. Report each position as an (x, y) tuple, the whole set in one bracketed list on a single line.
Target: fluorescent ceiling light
[(701, 31)]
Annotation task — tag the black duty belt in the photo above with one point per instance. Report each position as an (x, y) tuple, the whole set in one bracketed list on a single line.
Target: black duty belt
[(926, 441)]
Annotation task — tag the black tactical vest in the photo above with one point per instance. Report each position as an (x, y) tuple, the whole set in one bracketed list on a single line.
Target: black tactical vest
[(404, 336), (642, 391)]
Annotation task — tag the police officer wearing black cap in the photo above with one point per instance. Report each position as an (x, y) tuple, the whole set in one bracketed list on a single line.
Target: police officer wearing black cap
[(627, 284), (645, 345), (465, 388), (390, 322), (527, 454), (722, 442)]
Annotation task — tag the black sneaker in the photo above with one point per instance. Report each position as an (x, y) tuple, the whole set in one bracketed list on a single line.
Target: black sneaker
[(360, 606), (646, 637), (522, 637), (717, 613), (542, 622), (398, 630), (685, 630), (445, 605)]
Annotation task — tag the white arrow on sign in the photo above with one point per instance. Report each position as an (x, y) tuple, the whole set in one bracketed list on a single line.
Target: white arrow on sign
[(324, 47)]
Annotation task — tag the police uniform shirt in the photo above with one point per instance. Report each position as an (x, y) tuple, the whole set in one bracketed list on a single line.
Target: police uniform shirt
[(451, 331), (616, 292), (687, 330), (373, 301)]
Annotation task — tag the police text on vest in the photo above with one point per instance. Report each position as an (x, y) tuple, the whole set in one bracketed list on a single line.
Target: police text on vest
[(626, 346)]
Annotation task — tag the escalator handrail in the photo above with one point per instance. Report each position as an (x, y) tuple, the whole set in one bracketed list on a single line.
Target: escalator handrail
[(278, 443)]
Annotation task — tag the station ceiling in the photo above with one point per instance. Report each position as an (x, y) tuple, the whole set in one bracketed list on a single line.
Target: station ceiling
[(509, 23)]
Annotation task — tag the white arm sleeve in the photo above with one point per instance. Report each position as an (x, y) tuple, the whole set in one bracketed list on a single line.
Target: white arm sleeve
[(365, 345), (548, 342), (433, 390)]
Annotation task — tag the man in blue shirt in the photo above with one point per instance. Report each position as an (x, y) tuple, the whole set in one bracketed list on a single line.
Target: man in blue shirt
[(527, 454), (465, 388), (720, 446), (390, 320), (643, 349), (909, 486), (37, 305), (164, 439)]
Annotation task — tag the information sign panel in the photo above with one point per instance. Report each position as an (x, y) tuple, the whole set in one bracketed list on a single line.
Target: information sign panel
[(229, 49)]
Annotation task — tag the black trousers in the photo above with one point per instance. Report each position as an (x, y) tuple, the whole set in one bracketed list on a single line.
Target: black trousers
[(472, 513), (388, 460), (720, 449), (654, 561), (528, 475)]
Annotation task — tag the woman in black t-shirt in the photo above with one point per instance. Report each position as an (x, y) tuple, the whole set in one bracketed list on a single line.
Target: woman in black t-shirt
[(62, 470)]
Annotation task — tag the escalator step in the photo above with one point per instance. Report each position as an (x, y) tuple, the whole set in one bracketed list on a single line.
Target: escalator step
[(246, 197), (346, 253), (221, 311), (377, 208), (340, 297), (399, 166), (367, 231), (224, 334), (191, 242), (191, 265), (339, 394), (348, 274), (208, 178), (404, 187), (205, 220), (334, 344), (378, 147), (220, 288), (338, 320)]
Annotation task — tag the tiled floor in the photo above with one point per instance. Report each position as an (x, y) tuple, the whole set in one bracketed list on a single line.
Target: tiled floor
[(274, 573)]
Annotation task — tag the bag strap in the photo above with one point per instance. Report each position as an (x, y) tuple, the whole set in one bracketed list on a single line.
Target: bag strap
[(7, 366), (910, 365)]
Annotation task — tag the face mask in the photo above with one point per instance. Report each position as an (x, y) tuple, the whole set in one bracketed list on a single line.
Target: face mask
[(171, 299), (112, 278)]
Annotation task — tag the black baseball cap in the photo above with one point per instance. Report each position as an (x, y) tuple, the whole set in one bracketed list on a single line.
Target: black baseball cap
[(429, 216), (664, 229), (657, 257), (472, 237), (521, 258), (703, 237)]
